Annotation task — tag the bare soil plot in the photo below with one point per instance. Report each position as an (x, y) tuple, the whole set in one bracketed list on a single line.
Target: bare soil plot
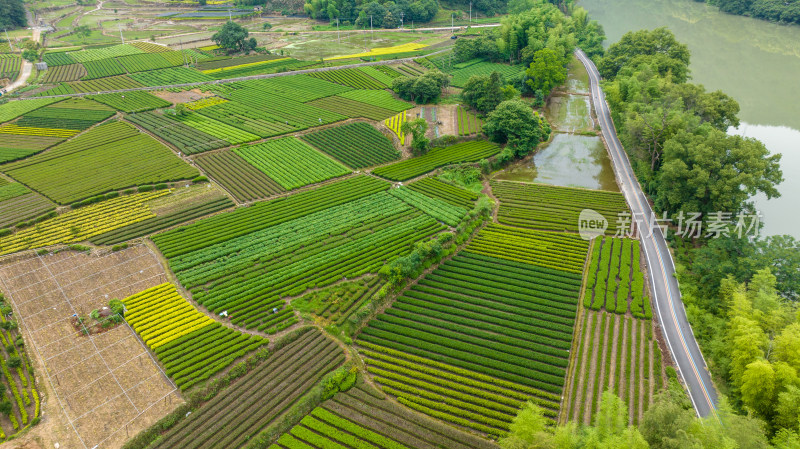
[(107, 385)]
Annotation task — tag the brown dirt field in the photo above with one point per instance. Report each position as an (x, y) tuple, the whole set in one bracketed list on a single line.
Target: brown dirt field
[(94, 385), (446, 114), (181, 97)]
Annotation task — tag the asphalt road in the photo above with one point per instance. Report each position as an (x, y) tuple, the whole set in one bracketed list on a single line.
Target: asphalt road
[(668, 306)]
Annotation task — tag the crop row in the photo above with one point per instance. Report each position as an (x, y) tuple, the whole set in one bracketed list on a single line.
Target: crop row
[(467, 122), (395, 124), (216, 128), (242, 180), (436, 208), (81, 224), (147, 61), (361, 250), (262, 215), (289, 113), (449, 193), (136, 101), (615, 280), (166, 77), (291, 163), (379, 98), (253, 402), (102, 68), (163, 221), (352, 108), (23, 207), (558, 251), (113, 166), (187, 139), (13, 128), (69, 72), (14, 109), (438, 157), (250, 119), (466, 323), (551, 207), (100, 135), (618, 345), (95, 54), (349, 77), (358, 145), (191, 346), (300, 88), (9, 66)]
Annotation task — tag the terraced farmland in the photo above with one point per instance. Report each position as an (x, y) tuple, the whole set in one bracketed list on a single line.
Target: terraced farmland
[(484, 332), (354, 78), (291, 163), (108, 158), (352, 108), (236, 175), (191, 346), (438, 157), (18, 203), (544, 206), (350, 226), (362, 417), (81, 224), (259, 398), (136, 101), (449, 193), (357, 145), (187, 139)]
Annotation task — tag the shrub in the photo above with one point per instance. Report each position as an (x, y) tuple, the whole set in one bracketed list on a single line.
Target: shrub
[(200, 179), (145, 188), (14, 362)]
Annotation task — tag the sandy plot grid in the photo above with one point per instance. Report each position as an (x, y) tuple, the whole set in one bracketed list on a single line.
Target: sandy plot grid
[(107, 384)]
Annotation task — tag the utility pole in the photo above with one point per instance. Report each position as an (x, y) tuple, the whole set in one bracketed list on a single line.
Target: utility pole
[(370, 27), (401, 18), (338, 36), (10, 45), (120, 33), (470, 12), (230, 17), (452, 28)]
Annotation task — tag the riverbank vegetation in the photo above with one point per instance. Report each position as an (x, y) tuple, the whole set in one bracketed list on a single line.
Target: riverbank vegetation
[(740, 292), (774, 10)]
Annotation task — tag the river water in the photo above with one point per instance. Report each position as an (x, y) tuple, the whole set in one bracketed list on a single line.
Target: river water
[(754, 61)]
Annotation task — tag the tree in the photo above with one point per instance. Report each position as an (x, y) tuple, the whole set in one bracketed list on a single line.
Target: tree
[(417, 128), (484, 92), (266, 26), (514, 123), (711, 171), (657, 47), (12, 14), (233, 38), (83, 31), (422, 89), (546, 71), (30, 55), (5, 407)]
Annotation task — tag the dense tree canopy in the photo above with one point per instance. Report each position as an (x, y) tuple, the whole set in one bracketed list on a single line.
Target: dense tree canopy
[(484, 92), (422, 89), (657, 48), (515, 124), (12, 14), (386, 14), (775, 10), (710, 171)]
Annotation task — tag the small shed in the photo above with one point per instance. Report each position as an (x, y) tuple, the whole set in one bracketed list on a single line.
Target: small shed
[(41, 66)]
